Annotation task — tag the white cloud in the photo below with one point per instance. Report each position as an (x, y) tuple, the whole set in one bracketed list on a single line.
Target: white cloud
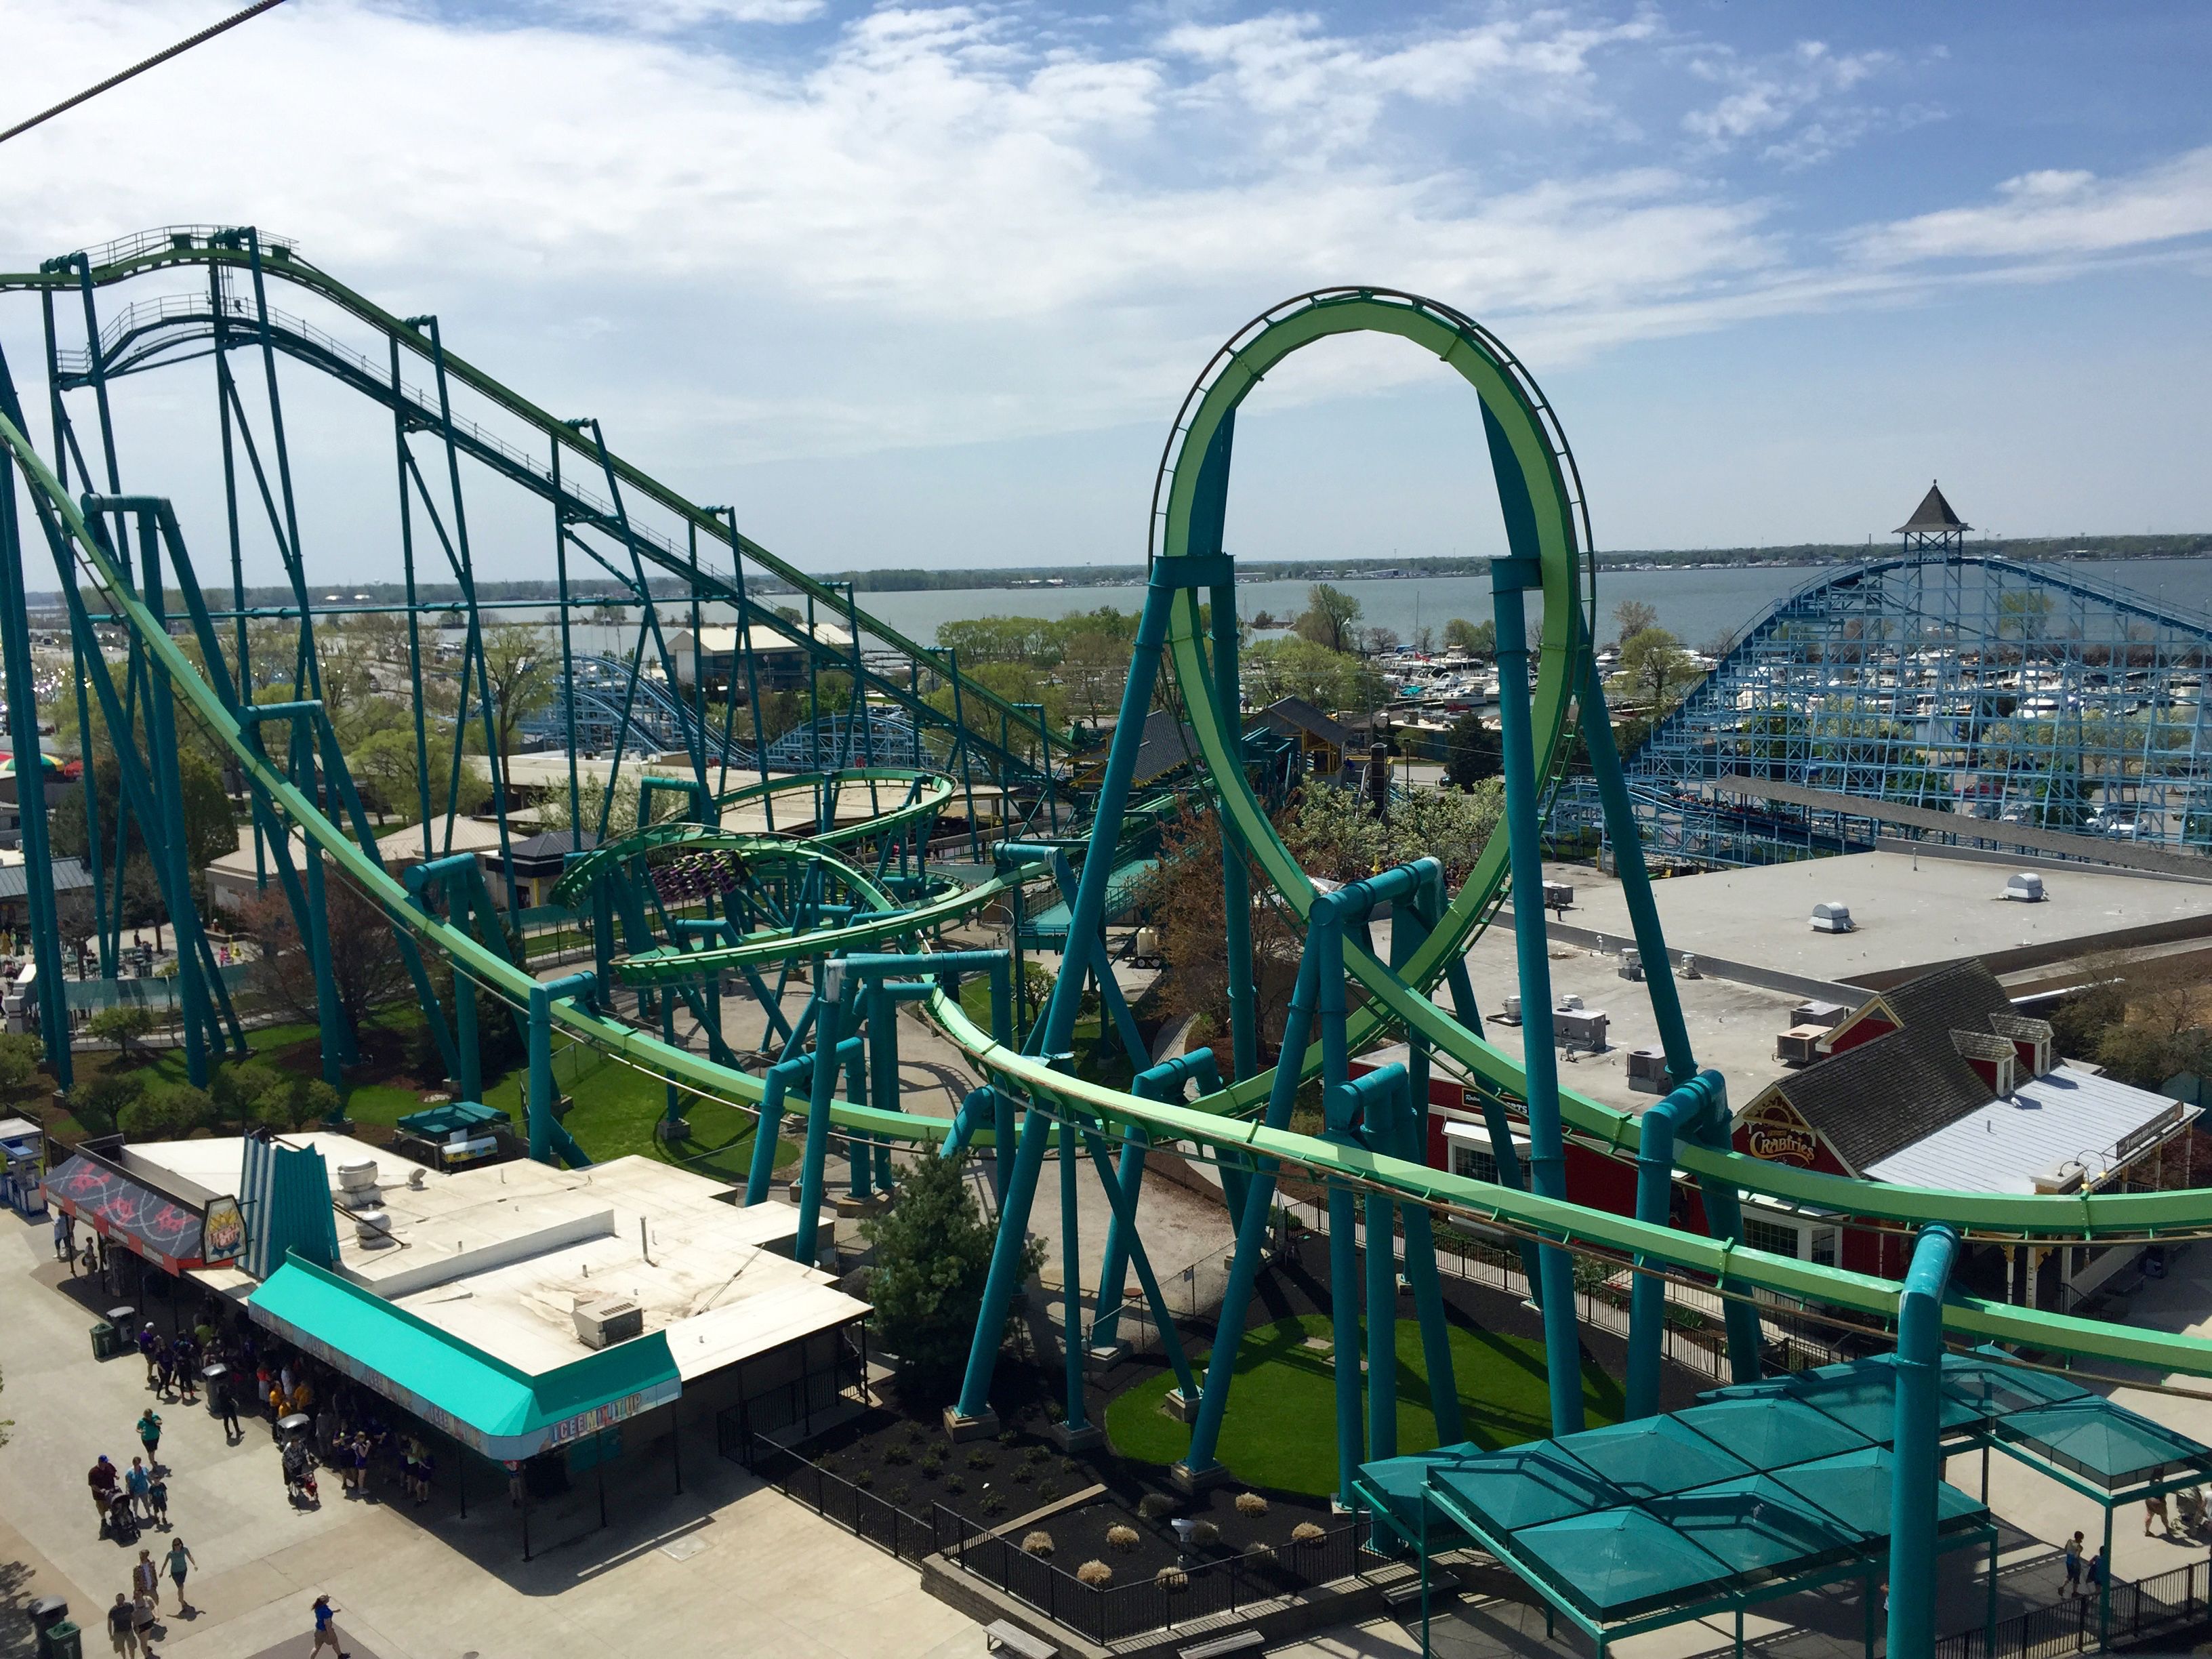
[(1330, 90), (1765, 97), (2056, 212), (941, 224), (672, 16)]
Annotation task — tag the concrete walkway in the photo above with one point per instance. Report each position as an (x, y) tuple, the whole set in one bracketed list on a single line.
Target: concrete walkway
[(730, 1563)]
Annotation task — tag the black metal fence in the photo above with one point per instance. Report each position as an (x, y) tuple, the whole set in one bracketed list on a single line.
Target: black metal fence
[(1104, 1614), (860, 1512), (2159, 1610)]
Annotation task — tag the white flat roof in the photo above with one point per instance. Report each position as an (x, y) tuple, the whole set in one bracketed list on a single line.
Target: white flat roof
[(1906, 912), (2063, 1116), (500, 1255)]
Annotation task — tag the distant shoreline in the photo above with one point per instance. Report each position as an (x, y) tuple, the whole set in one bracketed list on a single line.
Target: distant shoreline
[(1803, 556)]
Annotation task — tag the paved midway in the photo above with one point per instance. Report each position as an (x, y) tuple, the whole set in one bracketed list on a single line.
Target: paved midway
[(729, 1562)]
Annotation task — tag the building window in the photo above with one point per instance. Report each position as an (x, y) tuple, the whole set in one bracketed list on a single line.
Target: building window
[(1477, 1162), (1825, 1245), (1775, 1238)]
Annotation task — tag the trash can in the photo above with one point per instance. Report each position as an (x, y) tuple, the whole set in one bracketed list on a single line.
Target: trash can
[(46, 1612), (61, 1641), (104, 1343)]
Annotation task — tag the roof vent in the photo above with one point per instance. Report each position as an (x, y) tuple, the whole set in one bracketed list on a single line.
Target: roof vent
[(1832, 918), (371, 1230), (602, 1324), (355, 1179), (2025, 887)]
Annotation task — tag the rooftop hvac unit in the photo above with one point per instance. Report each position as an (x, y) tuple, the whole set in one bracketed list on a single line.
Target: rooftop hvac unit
[(1800, 1045), (1816, 1012), (1632, 962), (1570, 1000), (2025, 887), (1583, 1028), (1559, 896), (1831, 918), (355, 1179), (1647, 1071), (602, 1324)]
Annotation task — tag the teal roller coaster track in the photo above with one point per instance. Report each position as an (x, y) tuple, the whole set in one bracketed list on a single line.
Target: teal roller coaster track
[(844, 887)]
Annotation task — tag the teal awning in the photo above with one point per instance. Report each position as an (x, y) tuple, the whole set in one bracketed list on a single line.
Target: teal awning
[(2104, 1443), (501, 1411), (443, 1122)]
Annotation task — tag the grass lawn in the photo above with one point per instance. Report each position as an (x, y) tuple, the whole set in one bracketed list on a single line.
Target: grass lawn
[(1279, 1430), (616, 1106)]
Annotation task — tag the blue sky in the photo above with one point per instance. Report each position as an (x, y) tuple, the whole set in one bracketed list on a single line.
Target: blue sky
[(925, 285)]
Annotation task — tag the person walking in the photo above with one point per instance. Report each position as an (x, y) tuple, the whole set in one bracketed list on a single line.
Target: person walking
[(157, 1501), (326, 1635), (2096, 1573), (102, 1478), (224, 1400), (148, 1344), (2073, 1585), (65, 1238), (140, 1486), (186, 1353), (145, 1587), (164, 1367), (178, 1561), (123, 1625), (149, 1435)]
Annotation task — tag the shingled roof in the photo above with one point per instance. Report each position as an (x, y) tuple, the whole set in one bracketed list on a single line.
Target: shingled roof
[(1879, 1097), (1933, 515)]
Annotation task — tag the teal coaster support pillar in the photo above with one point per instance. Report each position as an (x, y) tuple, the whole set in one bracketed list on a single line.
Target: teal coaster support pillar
[(1681, 1111), (1915, 1471), (1546, 1143), (760, 1174), (547, 1136)]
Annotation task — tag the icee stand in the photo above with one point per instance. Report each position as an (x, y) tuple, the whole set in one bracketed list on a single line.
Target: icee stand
[(23, 1166)]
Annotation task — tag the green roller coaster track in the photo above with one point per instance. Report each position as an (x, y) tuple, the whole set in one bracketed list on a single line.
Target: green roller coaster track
[(1220, 1125)]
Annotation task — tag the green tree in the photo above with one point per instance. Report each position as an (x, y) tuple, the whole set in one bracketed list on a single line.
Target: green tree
[(1654, 673), (1632, 617), (1332, 833), (521, 671), (1297, 667), (384, 769), (247, 1094), (1472, 751), (316, 1101), (98, 1101), (166, 1114), (20, 1054), (124, 1024), (933, 1254), (1330, 619), (1475, 639)]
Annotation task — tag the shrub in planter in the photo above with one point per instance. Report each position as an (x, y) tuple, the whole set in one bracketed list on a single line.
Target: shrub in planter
[(1022, 1476), (863, 1479), (979, 1459), (1172, 1579), (1307, 1533), (1037, 1543), (1006, 1437), (1156, 1506), (895, 1453), (1121, 1539), (1096, 1574), (1069, 1466), (1264, 1554), (1204, 1532), (956, 1483), (1035, 1455), (1250, 1503), (897, 1494), (930, 1462), (993, 1505), (1047, 1491)]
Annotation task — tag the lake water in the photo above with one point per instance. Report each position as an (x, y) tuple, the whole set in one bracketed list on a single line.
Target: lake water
[(1697, 606)]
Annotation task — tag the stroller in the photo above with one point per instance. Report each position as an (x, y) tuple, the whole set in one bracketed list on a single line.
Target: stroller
[(299, 1475), (122, 1518)]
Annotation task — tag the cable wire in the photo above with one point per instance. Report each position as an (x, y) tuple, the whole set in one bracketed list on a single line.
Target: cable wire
[(140, 68)]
